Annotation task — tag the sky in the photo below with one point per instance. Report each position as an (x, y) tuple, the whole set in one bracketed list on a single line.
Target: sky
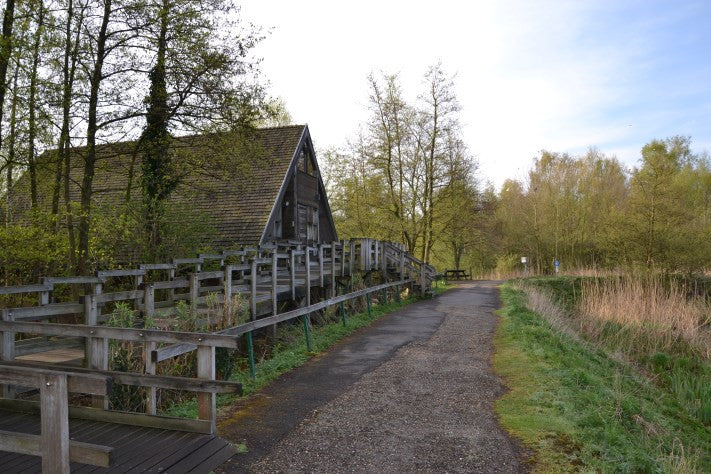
[(529, 75)]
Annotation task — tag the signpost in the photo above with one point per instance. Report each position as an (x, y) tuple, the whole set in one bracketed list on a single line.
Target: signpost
[(524, 260), (557, 266)]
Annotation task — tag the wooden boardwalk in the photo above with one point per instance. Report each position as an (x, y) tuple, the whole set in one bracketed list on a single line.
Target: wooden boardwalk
[(257, 282), (136, 449)]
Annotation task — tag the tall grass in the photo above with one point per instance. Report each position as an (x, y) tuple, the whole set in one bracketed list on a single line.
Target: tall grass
[(660, 324), (646, 315)]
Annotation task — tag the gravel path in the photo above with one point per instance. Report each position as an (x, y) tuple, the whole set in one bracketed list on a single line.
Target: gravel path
[(428, 408)]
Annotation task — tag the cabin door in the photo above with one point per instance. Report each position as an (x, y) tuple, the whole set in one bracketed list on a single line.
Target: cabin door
[(308, 223)]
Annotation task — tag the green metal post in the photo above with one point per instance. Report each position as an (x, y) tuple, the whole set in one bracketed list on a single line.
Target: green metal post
[(367, 298), (397, 294), (385, 296), (343, 314), (250, 348), (307, 330)]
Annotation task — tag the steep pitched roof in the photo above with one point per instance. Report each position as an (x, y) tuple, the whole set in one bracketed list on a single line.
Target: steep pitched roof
[(231, 179)]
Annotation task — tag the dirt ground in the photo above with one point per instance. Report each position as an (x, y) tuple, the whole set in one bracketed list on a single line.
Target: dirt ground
[(413, 393)]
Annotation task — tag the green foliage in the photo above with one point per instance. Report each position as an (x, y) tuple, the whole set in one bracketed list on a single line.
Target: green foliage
[(30, 251), (590, 212), (125, 356), (580, 410)]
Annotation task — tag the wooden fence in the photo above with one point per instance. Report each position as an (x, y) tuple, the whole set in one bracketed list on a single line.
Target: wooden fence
[(263, 276)]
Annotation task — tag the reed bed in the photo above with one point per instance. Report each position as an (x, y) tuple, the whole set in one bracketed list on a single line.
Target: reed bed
[(647, 314)]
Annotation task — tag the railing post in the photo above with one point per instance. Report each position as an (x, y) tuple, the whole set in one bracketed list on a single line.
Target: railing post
[(253, 288), (227, 285), (292, 274), (97, 349), (275, 274), (250, 350), (275, 270), (333, 269), (7, 350), (375, 255), (307, 260), (320, 264), (207, 407), (151, 399), (423, 290), (54, 415), (194, 291), (137, 282), (343, 258), (307, 331), (402, 264), (343, 314), (149, 300), (171, 292), (367, 298)]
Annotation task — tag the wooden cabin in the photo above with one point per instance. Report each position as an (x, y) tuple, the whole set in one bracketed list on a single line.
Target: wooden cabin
[(249, 188)]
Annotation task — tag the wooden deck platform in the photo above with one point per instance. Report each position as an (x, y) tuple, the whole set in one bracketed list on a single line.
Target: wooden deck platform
[(136, 449)]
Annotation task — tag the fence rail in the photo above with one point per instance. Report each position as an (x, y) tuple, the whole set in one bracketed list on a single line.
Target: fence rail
[(263, 276)]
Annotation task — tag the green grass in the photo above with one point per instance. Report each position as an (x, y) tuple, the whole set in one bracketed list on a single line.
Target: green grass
[(579, 410), (294, 353)]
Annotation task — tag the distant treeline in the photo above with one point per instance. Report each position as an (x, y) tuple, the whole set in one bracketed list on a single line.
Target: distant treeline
[(409, 177)]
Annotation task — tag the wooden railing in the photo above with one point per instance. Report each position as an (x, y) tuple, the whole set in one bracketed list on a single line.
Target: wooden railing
[(53, 444), (263, 275)]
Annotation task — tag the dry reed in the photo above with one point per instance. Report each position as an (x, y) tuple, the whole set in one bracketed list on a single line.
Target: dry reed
[(661, 317)]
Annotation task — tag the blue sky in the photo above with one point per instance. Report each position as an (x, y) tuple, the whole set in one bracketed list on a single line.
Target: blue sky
[(530, 75)]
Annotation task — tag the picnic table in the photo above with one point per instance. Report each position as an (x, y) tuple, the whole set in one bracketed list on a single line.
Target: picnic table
[(456, 275)]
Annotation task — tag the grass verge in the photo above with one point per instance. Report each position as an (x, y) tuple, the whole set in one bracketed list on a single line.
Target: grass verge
[(293, 354), (578, 409)]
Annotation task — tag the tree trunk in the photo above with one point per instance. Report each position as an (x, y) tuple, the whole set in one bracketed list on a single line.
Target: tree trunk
[(90, 157), (32, 108), (5, 52)]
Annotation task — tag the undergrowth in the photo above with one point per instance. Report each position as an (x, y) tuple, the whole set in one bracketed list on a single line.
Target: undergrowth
[(291, 352), (581, 409)]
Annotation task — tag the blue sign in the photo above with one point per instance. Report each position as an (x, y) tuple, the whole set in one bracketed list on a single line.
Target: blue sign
[(557, 263)]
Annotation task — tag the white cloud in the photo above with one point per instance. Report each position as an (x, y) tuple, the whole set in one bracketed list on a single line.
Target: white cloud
[(530, 75)]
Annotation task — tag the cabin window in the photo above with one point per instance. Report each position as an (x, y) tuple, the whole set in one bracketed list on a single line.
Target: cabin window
[(306, 163)]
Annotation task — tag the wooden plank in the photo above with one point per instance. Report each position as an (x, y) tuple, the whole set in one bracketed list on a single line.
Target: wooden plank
[(208, 275), (120, 417), (173, 284), (157, 266), (54, 416), (118, 296), (36, 345), (20, 373), (207, 401), (78, 374), (151, 399), (174, 350), (121, 334), (84, 453), (184, 261), (120, 273), (42, 312), (263, 322), (16, 290), (61, 355), (71, 280)]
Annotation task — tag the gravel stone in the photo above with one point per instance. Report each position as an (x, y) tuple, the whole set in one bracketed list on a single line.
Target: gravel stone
[(428, 408)]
